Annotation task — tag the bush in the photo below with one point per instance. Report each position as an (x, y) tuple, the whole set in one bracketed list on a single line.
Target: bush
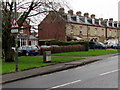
[(65, 43), (60, 49)]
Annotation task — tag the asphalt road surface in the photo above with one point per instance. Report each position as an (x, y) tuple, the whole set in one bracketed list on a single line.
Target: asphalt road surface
[(100, 74)]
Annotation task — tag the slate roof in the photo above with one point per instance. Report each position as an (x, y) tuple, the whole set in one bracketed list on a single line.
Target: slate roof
[(89, 21)]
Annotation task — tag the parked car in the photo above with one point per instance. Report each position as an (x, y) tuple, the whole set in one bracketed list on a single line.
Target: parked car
[(96, 45), (45, 46), (28, 50), (54, 45), (116, 46), (109, 43)]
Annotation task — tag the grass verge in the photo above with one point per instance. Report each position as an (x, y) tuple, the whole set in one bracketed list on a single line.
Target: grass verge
[(91, 52), (32, 62)]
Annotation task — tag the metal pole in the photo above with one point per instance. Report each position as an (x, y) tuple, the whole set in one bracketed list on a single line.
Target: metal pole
[(16, 58)]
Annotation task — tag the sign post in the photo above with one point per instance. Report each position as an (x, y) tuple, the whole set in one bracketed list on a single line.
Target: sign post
[(14, 30)]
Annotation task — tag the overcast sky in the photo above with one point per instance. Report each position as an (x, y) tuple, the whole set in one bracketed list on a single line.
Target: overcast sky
[(101, 8)]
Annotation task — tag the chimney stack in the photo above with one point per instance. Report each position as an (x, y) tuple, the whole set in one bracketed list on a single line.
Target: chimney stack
[(93, 16), (62, 10), (78, 13), (101, 19), (70, 12), (86, 15), (106, 21), (111, 20)]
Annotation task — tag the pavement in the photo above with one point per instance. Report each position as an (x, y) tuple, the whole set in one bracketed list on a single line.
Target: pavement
[(50, 69)]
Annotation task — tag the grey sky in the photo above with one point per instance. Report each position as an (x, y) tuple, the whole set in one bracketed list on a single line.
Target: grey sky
[(101, 8)]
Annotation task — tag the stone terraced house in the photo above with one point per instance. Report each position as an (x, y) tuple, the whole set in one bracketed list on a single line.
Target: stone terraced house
[(69, 26)]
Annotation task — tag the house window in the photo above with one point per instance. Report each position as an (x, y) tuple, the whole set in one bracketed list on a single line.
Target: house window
[(115, 33), (95, 31), (80, 29), (72, 28), (24, 42), (110, 33), (88, 30), (102, 31)]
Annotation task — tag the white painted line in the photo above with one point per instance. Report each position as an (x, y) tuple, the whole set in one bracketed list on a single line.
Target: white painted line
[(109, 72), (66, 84)]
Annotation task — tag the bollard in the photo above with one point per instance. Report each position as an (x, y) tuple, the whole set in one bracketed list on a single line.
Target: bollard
[(47, 56)]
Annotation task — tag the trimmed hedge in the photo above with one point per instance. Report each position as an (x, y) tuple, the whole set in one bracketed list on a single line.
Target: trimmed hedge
[(60, 49), (65, 43)]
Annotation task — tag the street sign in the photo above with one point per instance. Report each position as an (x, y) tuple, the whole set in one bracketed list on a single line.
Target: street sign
[(14, 24), (14, 30)]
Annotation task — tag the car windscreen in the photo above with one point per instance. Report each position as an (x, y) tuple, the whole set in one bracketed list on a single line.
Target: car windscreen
[(34, 48)]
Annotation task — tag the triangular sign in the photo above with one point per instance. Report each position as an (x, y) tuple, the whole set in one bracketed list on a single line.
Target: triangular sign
[(14, 24)]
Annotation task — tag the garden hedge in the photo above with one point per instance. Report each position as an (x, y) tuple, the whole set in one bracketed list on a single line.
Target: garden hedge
[(61, 49), (65, 43)]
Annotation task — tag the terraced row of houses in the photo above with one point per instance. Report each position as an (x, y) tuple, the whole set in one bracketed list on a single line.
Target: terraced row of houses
[(69, 26)]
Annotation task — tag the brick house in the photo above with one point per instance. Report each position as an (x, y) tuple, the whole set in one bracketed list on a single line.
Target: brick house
[(68, 26), (25, 35)]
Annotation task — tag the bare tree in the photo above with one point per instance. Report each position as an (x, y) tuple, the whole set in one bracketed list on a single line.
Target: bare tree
[(28, 10)]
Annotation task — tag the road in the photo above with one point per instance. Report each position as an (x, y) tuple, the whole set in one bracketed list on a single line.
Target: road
[(100, 74)]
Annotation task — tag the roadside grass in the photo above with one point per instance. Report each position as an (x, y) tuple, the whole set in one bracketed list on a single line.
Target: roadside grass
[(30, 62), (91, 52)]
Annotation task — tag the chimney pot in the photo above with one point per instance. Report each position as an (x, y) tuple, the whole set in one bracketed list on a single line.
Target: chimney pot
[(93, 16), (105, 19), (86, 14), (61, 10), (70, 12), (110, 19), (101, 19), (78, 13)]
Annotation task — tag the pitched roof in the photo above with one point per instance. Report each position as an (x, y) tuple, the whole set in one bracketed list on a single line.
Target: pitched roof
[(75, 18)]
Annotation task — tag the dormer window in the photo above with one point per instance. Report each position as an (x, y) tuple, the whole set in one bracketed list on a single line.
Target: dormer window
[(93, 21), (78, 19), (107, 23), (69, 17), (100, 22), (113, 24), (117, 25), (86, 20)]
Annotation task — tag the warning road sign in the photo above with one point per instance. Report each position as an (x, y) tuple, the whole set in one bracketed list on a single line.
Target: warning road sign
[(14, 24)]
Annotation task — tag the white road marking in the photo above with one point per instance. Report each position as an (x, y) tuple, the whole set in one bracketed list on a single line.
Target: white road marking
[(109, 72), (66, 84)]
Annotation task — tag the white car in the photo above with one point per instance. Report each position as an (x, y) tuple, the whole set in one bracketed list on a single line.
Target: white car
[(45, 46)]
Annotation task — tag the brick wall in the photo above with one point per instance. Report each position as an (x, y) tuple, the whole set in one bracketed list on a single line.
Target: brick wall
[(52, 27)]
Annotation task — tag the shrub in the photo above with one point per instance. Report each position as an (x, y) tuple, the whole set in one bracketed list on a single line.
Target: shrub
[(65, 43), (60, 49)]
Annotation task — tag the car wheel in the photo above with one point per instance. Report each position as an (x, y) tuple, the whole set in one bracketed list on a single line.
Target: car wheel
[(27, 54)]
